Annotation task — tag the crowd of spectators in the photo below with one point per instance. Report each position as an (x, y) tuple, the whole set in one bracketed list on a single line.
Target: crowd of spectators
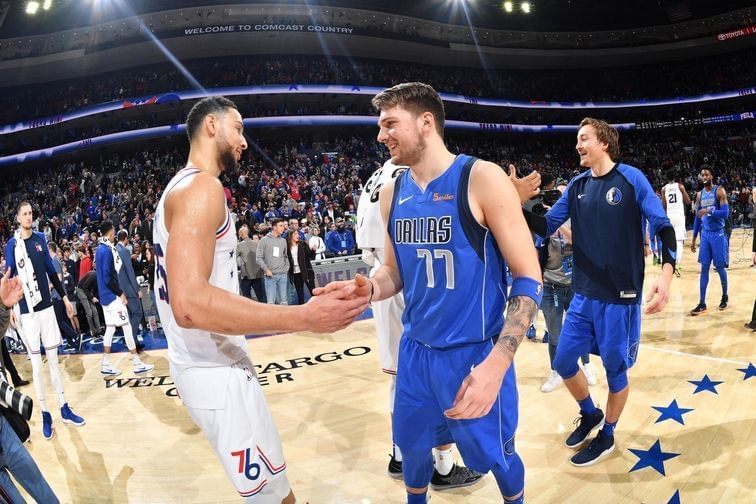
[(683, 78)]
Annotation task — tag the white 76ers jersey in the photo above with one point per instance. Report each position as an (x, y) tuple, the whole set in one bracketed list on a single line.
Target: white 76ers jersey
[(371, 230), (192, 347), (673, 196)]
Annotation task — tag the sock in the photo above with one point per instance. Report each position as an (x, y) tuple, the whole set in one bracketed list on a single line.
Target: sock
[(518, 500), (586, 406), (39, 386), (608, 429), (135, 359), (723, 278), (680, 248), (105, 361), (417, 498), (442, 461), (397, 453), (52, 363), (703, 283)]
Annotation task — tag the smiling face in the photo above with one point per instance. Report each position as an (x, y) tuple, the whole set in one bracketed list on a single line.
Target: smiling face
[(590, 149), (706, 177), (402, 132)]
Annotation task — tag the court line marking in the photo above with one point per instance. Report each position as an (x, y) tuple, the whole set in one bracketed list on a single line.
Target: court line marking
[(706, 357)]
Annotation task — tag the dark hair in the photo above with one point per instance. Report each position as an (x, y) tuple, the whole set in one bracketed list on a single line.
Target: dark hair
[(546, 179), (203, 108), (105, 227), (21, 205), (416, 97), (670, 175), (709, 169), (53, 247), (275, 221), (606, 133), (122, 235)]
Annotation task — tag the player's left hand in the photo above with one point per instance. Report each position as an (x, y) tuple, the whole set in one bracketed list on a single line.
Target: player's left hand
[(11, 290), (478, 392), (658, 296), (703, 212), (527, 187)]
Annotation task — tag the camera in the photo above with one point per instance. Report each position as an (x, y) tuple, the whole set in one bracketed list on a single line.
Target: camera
[(545, 198), (15, 400)]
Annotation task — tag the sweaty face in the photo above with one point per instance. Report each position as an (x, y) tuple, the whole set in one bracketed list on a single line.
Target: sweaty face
[(24, 217), (706, 177), (588, 147), (230, 141), (400, 131)]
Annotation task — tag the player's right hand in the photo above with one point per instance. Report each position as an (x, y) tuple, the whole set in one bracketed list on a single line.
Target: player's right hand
[(336, 309), (527, 187), (11, 290), (693, 247)]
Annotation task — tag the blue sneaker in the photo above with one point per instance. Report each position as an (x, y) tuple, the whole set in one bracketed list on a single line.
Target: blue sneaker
[(47, 429), (70, 417), (546, 337), (531, 334)]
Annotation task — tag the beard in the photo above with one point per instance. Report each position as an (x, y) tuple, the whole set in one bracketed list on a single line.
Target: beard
[(226, 157), (411, 155)]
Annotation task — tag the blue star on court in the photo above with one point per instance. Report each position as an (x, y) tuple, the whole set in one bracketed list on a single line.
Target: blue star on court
[(705, 383), (675, 498), (749, 371), (672, 412), (653, 457)]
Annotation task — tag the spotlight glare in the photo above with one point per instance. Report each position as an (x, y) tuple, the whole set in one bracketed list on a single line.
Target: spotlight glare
[(525, 6), (47, 4), (508, 6), (32, 7)]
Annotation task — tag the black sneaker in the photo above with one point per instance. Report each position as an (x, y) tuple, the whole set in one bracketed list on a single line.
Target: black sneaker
[(698, 310), (585, 425), (394, 468), (459, 476), (599, 449), (723, 303)]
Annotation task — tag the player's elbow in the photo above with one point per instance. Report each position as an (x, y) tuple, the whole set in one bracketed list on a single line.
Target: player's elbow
[(183, 309)]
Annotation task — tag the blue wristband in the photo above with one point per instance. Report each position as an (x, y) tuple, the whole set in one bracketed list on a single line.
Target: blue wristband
[(526, 286)]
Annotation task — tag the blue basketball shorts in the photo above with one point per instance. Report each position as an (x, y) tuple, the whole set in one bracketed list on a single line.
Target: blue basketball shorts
[(427, 381), (713, 248)]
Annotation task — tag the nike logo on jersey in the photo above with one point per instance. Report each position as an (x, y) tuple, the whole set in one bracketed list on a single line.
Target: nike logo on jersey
[(581, 195), (402, 200)]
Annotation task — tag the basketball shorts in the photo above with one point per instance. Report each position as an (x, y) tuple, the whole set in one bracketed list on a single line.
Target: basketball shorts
[(116, 314), (609, 330), (678, 223), (242, 433), (427, 382), (41, 326), (713, 248)]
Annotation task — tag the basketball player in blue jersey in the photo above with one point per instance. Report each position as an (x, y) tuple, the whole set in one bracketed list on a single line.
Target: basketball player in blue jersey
[(711, 212), (454, 223), (607, 205)]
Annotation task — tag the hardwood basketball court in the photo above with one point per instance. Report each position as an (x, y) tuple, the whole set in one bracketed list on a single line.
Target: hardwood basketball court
[(329, 399)]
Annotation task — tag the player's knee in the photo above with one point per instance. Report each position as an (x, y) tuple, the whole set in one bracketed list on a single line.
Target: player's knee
[(565, 365), (511, 479), (417, 468), (617, 380)]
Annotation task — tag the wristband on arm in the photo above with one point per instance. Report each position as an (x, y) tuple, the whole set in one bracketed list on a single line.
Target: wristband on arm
[(528, 287)]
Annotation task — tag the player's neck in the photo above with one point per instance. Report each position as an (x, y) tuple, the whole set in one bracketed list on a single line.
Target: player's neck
[(26, 233), (204, 159), (604, 166), (708, 186), (433, 164)]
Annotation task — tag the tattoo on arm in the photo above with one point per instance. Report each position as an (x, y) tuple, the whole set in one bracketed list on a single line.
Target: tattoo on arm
[(520, 313)]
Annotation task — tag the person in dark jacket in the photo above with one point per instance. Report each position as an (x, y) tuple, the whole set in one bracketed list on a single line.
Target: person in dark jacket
[(300, 268)]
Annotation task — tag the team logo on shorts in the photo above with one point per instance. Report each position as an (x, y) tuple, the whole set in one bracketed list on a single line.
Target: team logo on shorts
[(613, 196)]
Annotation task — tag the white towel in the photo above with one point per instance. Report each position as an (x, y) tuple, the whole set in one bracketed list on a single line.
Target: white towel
[(116, 258), (26, 273)]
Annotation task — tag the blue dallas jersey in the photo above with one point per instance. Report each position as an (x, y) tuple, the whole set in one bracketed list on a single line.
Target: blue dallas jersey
[(39, 255), (451, 268), (709, 200), (608, 215)]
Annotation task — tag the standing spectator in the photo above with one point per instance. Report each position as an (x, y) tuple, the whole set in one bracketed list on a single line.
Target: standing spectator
[(317, 245), (61, 314), (87, 294), (341, 241), (69, 285), (272, 258), (300, 268), (128, 283), (85, 265), (250, 272)]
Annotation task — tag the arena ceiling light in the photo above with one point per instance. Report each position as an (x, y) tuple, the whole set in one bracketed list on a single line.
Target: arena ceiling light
[(508, 7), (32, 7), (525, 6), (47, 4)]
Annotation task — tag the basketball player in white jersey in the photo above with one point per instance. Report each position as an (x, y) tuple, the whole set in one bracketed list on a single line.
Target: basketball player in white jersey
[(197, 286), (371, 238), (674, 200)]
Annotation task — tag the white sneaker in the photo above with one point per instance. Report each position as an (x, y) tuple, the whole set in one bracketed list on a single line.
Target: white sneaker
[(141, 367), (590, 376), (552, 382), (109, 370)]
